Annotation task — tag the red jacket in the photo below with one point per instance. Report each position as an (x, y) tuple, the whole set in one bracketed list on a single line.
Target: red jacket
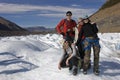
[(65, 26), (79, 29)]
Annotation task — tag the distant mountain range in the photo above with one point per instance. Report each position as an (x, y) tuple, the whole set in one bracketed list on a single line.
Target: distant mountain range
[(39, 29), (8, 28), (108, 16), (6, 25)]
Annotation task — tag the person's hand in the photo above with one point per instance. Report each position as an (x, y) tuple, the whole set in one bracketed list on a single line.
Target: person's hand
[(78, 24), (59, 66), (93, 23), (62, 34), (73, 43)]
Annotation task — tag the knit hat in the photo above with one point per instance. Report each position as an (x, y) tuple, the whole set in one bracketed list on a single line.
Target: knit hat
[(68, 13)]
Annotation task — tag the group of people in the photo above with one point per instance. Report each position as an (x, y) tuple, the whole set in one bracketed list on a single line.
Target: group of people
[(78, 38)]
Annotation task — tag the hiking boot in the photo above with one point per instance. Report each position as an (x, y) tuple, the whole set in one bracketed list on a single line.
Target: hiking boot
[(75, 70), (84, 72), (70, 68), (96, 72)]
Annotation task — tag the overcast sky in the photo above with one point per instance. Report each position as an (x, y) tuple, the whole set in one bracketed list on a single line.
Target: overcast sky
[(48, 13)]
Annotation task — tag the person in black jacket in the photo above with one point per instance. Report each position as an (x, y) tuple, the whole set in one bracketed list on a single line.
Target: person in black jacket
[(91, 40)]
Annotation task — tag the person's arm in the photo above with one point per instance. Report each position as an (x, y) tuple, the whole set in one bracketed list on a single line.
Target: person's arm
[(76, 35), (95, 29), (74, 50), (64, 54), (59, 64), (80, 36), (72, 54), (67, 61), (59, 26)]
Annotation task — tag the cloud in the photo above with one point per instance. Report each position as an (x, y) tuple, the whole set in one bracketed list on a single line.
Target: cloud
[(52, 15), (76, 13), (57, 11), (75, 5)]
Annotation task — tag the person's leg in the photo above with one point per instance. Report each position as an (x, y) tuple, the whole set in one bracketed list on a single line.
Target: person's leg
[(96, 58), (82, 54), (74, 61), (64, 56), (80, 50), (87, 56), (74, 64), (63, 62)]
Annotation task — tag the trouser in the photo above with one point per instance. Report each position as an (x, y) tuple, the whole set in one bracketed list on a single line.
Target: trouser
[(81, 50), (88, 43), (72, 62)]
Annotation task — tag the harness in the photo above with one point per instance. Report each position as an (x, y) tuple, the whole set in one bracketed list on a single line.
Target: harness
[(91, 42)]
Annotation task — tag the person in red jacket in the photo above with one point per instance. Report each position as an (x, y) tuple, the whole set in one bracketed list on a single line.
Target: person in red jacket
[(66, 26)]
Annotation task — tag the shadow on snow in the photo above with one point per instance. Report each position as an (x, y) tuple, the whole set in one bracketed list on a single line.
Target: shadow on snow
[(110, 68), (24, 66)]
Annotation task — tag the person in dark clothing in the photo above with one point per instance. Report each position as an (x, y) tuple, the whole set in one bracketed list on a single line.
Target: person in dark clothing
[(91, 40), (77, 43), (70, 57)]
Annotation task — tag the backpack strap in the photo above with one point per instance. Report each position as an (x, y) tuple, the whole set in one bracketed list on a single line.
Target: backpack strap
[(66, 22)]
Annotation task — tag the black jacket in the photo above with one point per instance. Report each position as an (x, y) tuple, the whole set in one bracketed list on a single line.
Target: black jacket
[(88, 30)]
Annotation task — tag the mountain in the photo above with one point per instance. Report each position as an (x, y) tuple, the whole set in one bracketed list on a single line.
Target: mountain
[(39, 29), (6, 25), (8, 28), (108, 16)]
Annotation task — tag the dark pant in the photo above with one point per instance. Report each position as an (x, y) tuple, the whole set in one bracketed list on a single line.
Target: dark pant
[(72, 62), (88, 43), (81, 50)]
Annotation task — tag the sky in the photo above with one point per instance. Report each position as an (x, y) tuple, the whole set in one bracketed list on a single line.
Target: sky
[(48, 13)]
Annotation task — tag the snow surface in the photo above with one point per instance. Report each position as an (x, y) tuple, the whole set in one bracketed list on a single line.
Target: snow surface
[(35, 57)]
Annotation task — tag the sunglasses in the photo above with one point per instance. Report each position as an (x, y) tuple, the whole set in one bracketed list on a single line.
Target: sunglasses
[(68, 15)]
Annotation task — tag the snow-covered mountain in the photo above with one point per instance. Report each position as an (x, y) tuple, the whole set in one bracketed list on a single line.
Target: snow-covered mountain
[(35, 57)]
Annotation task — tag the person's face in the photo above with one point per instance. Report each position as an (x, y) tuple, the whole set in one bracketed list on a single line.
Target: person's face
[(80, 21), (68, 16), (66, 44), (86, 21)]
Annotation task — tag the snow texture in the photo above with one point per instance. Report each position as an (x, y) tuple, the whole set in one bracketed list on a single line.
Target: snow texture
[(35, 57)]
